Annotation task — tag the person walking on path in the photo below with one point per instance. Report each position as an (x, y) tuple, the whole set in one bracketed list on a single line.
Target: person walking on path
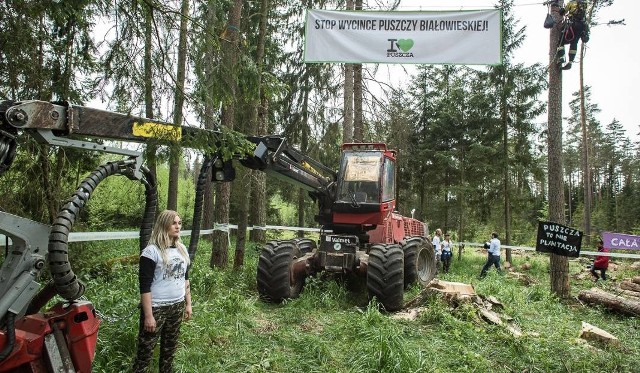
[(446, 253), (600, 263), (165, 296), (493, 255)]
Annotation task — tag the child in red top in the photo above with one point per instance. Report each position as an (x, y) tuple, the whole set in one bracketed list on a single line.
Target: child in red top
[(601, 263)]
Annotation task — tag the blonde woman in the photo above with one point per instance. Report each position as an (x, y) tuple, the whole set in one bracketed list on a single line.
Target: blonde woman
[(437, 247), (165, 296)]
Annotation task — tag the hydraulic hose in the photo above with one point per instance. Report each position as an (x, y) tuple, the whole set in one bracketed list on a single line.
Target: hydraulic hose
[(150, 207), (10, 336), (66, 283), (8, 146), (197, 210)]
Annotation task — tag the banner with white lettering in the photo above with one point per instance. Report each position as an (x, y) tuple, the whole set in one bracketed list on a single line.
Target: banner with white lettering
[(558, 239), (620, 241), (471, 37)]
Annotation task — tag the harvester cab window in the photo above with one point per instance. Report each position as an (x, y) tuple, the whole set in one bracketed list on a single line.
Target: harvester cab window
[(360, 178), (388, 184)]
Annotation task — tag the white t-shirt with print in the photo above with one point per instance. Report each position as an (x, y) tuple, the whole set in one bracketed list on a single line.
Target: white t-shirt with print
[(168, 278)]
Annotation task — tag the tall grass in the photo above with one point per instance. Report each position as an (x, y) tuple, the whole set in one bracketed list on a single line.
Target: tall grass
[(332, 328)]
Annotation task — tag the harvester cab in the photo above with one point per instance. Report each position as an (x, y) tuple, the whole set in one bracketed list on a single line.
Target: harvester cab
[(366, 187)]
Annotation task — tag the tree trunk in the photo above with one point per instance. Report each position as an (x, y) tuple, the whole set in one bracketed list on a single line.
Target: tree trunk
[(358, 120), (259, 190), (629, 285), (461, 203), (220, 249), (243, 179), (610, 301), (259, 127), (209, 110), (245, 176), (150, 151), (175, 151), (304, 145), (559, 274), (347, 126), (505, 174), (220, 239), (586, 175)]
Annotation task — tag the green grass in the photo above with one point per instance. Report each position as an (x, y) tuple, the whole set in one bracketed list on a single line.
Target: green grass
[(330, 328)]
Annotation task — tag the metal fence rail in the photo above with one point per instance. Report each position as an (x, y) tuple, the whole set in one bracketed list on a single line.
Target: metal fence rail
[(126, 235)]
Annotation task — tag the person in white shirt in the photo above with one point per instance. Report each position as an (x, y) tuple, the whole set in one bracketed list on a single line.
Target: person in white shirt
[(493, 255), (437, 247), (165, 295)]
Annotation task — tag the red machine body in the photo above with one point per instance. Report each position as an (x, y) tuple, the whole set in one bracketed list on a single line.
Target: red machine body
[(64, 337)]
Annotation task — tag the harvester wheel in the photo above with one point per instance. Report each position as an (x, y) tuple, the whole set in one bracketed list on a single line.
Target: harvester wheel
[(275, 278), (306, 245), (412, 247), (426, 264), (385, 276)]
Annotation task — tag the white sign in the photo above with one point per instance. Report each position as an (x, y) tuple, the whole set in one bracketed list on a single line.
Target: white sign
[(414, 37)]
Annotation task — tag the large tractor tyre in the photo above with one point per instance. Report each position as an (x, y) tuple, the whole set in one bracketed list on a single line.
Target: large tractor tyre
[(411, 248), (275, 278), (426, 264), (385, 276), (306, 245)]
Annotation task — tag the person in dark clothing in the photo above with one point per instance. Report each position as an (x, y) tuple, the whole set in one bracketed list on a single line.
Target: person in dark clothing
[(493, 255), (447, 253), (601, 263), (574, 29)]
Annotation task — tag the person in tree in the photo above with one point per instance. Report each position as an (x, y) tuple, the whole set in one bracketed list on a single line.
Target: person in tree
[(601, 263), (574, 29), (165, 296), (447, 253), (493, 255)]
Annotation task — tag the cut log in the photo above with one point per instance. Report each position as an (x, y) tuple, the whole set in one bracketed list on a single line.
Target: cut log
[(495, 302), (409, 315), (628, 293), (490, 316), (593, 333), (628, 285), (610, 301)]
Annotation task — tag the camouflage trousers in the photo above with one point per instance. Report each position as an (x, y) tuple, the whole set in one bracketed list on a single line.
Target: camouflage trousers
[(168, 321)]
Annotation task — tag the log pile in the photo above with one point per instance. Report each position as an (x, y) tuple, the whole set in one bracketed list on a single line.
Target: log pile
[(624, 299)]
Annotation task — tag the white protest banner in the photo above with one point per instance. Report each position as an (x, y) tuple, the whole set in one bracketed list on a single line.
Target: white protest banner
[(470, 37)]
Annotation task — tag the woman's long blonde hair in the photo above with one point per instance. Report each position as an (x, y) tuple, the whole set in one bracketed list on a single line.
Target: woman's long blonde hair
[(160, 236)]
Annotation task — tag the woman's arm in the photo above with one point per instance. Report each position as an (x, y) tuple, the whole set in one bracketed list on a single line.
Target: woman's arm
[(149, 320), (188, 311), (145, 279)]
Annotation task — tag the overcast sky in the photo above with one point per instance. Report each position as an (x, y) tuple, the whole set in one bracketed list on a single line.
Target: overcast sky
[(609, 64)]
